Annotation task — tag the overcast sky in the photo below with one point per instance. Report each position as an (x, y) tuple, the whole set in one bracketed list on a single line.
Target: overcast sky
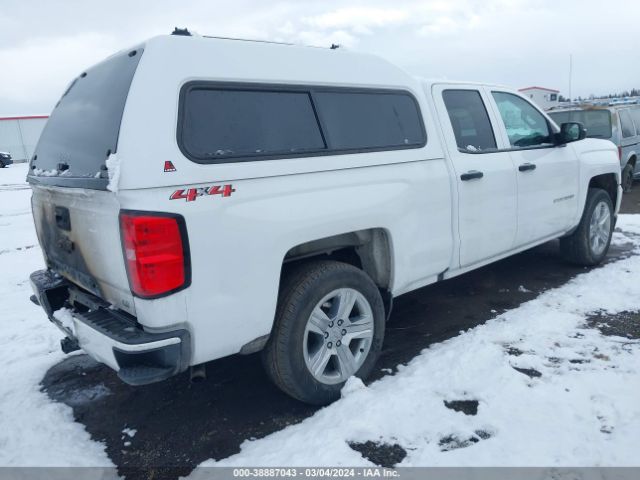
[(44, 44)]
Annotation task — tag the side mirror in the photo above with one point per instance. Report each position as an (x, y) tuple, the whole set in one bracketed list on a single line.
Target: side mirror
[(571, 132)]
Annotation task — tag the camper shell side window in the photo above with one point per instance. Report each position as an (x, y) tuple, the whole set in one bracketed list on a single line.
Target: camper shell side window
[(230, 122)]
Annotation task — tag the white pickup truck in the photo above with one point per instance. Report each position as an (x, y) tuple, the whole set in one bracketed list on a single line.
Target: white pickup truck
[(200, 197)]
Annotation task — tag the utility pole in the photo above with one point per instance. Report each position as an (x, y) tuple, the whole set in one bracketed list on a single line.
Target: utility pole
[(570, 74)]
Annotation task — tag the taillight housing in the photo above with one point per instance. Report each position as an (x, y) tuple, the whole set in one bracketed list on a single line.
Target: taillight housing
[(619, 153), (156, 252)]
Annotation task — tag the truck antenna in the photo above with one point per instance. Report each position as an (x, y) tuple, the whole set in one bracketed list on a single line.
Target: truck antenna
[(570, 74)]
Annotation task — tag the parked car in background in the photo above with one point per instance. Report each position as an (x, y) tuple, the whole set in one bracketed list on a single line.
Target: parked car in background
[(618, 123), (5, 159)]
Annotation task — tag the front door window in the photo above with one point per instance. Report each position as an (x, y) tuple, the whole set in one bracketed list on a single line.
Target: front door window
[(526, 126)]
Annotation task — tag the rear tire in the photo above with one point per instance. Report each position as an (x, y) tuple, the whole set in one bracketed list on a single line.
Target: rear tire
[(329, 326), (627, 178), (2, 164), (589, 243)]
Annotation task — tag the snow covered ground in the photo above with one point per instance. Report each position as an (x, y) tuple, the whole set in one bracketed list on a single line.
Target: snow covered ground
[(34, 431), (573, 401)]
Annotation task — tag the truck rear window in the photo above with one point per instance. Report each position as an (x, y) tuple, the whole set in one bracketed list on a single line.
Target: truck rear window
[(233, 123), (83, 128), (469, 120), (597, 122)]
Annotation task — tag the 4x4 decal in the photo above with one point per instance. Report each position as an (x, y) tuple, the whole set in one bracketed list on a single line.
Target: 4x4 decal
[(190, 194)]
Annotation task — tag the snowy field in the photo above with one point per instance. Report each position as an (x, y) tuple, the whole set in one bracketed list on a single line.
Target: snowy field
[(539, 385), (34, 431), (550, 391)]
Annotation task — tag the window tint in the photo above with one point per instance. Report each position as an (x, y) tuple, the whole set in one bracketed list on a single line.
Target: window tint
[(355, 120), (626, 123), (221, 123), (635, 115), (84, 126), (597, 122), (526, 126), (469, 119)]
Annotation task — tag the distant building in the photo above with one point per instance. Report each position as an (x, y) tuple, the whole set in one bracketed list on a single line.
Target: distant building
[(544, 97), (19, 134)]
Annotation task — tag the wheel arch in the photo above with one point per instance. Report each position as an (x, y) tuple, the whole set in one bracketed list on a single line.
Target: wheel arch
[(609, 183), (369, 250)]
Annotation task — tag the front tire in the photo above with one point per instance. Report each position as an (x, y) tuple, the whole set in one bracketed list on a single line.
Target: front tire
[(2, 165), (329, 326), (589, 243)]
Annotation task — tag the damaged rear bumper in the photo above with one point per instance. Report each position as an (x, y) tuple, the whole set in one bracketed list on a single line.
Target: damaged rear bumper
[(111, 336)]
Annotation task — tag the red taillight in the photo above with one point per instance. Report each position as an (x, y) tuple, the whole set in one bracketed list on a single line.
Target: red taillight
[(155, 249)]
